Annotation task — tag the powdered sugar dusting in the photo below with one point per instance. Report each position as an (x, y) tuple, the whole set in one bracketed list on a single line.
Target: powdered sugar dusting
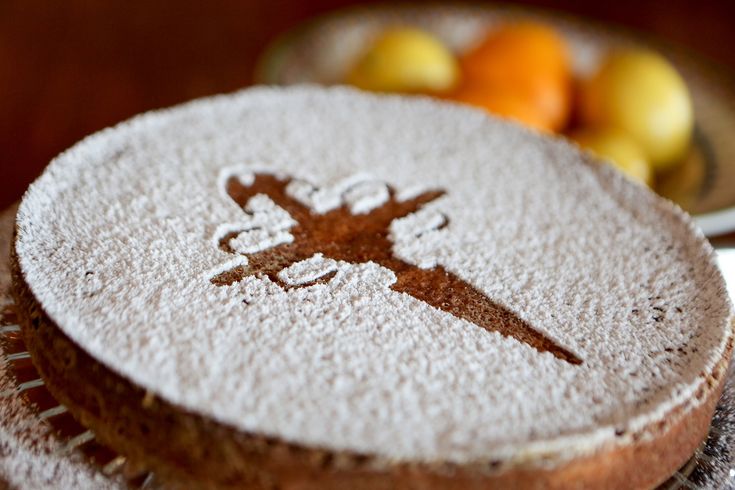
[(265, 225), (416, 233), (309, 270), (366, 196), (329, 196), (29, 457), (597, 264), (251, 241), (266, 213)]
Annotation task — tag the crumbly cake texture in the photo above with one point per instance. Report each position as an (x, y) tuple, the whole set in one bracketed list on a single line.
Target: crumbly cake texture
[(117, 241)]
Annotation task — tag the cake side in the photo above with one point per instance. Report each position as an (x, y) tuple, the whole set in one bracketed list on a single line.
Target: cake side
[(31, 455)]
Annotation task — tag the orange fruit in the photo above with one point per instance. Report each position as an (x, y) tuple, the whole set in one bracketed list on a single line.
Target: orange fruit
[(505, 104), (522, 47), (528, 59)]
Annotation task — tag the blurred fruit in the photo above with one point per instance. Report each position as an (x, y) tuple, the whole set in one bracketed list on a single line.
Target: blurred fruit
[(618, 148), (405, 60), (510, 105), (684, 184), (528, 59), (641, 93)]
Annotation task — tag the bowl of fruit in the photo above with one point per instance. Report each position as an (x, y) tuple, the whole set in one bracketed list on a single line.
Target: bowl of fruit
[(656, 112)]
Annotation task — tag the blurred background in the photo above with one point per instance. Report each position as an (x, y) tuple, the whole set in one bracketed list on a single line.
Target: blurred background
[(70, 68)]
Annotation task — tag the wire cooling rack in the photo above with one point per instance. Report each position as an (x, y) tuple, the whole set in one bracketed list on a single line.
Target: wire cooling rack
[(71, 436)]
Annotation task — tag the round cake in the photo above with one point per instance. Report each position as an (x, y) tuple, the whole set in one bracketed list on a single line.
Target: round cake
[(320, 288)]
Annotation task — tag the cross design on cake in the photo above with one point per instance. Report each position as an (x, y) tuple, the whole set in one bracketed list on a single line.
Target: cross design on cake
[(340, 234)]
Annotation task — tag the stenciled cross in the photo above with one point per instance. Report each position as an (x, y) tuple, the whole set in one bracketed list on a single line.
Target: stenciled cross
[(342, 235)]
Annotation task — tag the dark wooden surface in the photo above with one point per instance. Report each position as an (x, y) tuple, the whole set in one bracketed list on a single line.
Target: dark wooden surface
[(69, 68)]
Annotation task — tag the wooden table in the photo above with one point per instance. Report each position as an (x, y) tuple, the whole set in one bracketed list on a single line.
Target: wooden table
[(70, 68)]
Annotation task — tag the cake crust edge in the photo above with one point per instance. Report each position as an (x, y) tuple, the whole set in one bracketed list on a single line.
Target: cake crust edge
[(182, 446)]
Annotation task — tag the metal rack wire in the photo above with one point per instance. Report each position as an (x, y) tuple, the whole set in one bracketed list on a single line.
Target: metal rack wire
[(70, 434)]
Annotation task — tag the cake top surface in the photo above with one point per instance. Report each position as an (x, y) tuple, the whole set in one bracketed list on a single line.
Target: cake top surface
[(391, 276)]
